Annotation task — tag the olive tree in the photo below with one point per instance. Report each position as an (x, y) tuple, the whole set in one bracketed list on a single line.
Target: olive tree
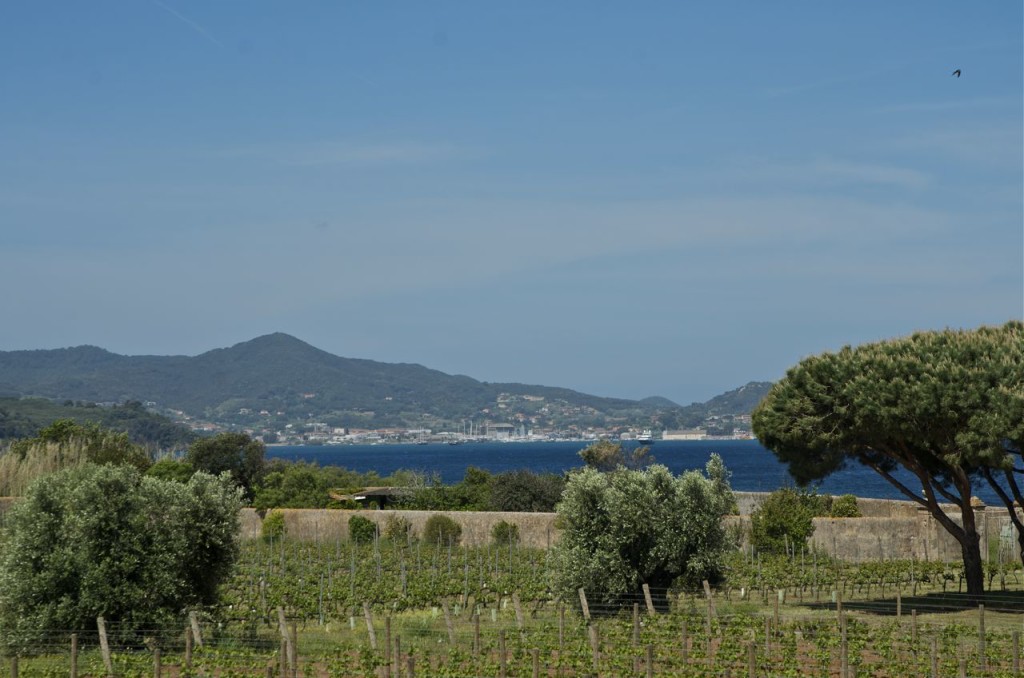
[(107, 541), (626, 528), (946, 406)]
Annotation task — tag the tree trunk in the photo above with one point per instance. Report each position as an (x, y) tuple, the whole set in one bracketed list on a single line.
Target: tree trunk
[(966, 533), (974, 572), (970, 546)]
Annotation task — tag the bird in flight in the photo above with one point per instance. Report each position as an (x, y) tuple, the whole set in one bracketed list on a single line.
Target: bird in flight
[(957, 72)]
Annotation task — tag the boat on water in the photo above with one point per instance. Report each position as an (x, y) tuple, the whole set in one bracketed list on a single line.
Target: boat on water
[(645, 437)]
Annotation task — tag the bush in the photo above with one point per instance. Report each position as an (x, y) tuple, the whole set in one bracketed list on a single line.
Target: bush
[(604, 455), (441, 529), (397, 528), (784, 521), (171, 469), (273, 526), (626, 528), (845, 506), (361, 530), (106, 540), (472, 493), (504, 533), (525, 491), (235, 453)]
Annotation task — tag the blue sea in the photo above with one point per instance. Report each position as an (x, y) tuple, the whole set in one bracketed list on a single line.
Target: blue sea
[(753, 468)]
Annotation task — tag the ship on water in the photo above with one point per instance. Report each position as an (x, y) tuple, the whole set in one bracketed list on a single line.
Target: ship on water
[(645, 437)]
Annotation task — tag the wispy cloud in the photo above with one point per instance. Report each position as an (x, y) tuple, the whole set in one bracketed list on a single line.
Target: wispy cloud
[(822, 172), (343, 153), (195, 26), (837, 80), (983, 146), (864, 173), (936, 106)]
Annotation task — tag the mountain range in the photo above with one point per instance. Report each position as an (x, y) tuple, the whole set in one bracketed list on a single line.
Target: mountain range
[(282, 377)]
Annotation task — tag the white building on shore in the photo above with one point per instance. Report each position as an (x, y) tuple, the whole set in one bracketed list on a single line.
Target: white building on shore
[(685, 434)]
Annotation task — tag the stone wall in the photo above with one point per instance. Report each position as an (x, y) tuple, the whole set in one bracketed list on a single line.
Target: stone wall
[(869, 508), (893, 529), (889, 529), (897, 530)]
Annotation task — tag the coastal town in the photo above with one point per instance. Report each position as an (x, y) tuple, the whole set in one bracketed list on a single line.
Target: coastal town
[(724, 427)]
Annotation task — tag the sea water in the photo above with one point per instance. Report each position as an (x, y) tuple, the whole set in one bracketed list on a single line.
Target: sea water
[(753, 468)]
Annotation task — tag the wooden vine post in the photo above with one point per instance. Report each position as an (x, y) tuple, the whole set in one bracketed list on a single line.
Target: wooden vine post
[(595, 645), (647, 599), (711, 607), (295, 650), (387, 645), (197, 636), (982, 659), (449, 625), (108, 664), (188, 649), (583, 604), (289, 652), (369, 625)]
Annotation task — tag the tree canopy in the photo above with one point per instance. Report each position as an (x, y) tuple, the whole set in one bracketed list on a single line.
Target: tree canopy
[(106, 540), (947, 406), (627, 528), (235, 453), (604, 455)]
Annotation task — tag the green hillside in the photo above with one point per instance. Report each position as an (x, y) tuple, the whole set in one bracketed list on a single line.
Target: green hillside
[(287, 379), (25, 417)]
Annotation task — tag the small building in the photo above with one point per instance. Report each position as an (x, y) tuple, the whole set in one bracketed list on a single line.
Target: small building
[(500, 431), (685, 434), (377, 497)]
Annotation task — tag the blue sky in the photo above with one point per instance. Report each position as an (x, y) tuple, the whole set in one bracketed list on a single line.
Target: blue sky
[(628, 199)]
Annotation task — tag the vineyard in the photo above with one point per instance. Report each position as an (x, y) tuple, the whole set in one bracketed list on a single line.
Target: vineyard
[(403, 609)]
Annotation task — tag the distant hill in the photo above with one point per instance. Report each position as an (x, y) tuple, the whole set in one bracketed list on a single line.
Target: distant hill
[(741, 400), (284, 378), (25, 417)]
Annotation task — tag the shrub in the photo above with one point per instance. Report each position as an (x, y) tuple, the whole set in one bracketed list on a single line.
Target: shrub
[(504, 533), (472, 493), (525, 491), (171, 469), (273, 526), (628, 527), (397, 528), (361, 530), (106, 540), (845, 506), (441, 529), (236, 453), (604, 455), (783, 521)]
